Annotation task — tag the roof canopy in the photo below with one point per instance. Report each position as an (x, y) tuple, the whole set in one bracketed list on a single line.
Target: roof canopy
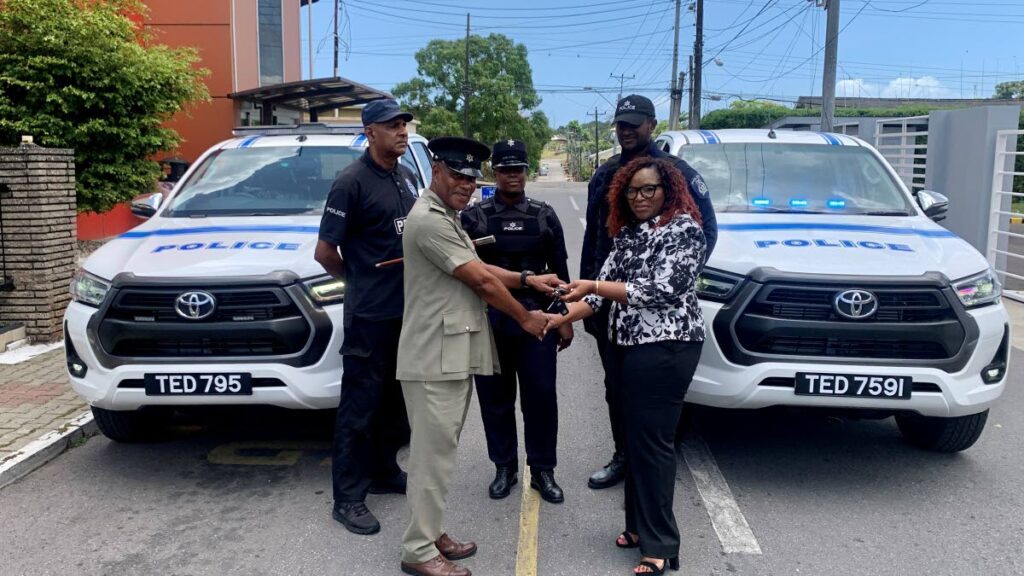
[(313, 96)]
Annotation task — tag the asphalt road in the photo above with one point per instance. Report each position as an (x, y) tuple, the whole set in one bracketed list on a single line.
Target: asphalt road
[(248, 492)]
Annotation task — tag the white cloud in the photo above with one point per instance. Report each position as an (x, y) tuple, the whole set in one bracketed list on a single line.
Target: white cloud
[(923, 87)]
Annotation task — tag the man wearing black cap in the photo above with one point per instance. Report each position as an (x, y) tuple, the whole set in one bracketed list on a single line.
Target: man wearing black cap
[(445, 341), (364, 218), (528, 239), (634, 124)]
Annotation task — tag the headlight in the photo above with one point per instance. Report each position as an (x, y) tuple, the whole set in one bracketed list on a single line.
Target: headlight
[(326, 290), (979, 290), (717, 285), (88, 289)]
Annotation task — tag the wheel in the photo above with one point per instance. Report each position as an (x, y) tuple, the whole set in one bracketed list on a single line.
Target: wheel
[(130, 425), (942, 434)]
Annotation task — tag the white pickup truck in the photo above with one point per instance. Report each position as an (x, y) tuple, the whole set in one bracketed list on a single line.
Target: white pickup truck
[(216, 299), (832, 287)]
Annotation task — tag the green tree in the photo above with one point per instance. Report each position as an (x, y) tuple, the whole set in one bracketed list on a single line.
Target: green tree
[(502, 102), (1007, 90), (81, 74), (745, 114)]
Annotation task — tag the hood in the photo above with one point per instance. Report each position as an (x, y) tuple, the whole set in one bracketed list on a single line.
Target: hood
[(209, 247), (847, 245)]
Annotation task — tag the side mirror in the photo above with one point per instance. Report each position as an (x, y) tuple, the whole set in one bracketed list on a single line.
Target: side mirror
[(147, 205), (933, 204)]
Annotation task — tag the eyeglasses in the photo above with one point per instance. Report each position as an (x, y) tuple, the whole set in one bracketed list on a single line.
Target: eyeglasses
[(646, 191)]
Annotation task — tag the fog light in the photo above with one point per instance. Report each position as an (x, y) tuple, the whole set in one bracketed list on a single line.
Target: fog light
[(996, 369), (76, 366)]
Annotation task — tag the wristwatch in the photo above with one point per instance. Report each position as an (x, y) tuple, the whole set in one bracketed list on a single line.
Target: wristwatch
[(523, 275)]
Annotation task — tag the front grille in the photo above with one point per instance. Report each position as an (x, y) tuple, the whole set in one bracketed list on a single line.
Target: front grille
[(778, 319), (263, 321)]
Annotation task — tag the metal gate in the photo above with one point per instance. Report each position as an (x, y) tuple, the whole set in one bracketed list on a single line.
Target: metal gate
[(1006, 231), (904, 143)]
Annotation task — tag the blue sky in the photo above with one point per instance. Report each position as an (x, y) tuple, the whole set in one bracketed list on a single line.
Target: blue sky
[(766, 48)]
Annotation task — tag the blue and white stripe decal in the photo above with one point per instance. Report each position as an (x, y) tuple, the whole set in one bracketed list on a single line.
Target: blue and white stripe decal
[(832, 140), (248, 141), (777, 226), (213, 229), (359, 141), (710, 137)]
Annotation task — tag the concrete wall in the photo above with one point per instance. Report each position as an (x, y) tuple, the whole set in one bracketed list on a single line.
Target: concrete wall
[(37, 200), (961, 152)]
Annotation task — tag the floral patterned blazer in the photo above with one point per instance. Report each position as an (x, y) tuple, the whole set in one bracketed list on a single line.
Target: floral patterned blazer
[(659, 265)]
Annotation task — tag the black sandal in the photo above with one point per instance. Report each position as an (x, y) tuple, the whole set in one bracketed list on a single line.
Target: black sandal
[(672, 563), (630, 542)]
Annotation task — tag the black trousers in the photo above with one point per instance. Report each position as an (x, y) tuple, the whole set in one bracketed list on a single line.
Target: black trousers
[(371, 423), (532, 363), (653, 382), (597, 326)]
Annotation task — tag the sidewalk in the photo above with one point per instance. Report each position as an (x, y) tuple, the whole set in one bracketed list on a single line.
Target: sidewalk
[(35, 401)]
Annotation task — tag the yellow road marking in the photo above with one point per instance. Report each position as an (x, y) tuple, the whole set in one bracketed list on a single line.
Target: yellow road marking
[(529, 514), (283, 453)]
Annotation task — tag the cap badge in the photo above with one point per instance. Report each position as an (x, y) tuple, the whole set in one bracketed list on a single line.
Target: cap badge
[(627, 105), (511, 142), (469, 157)]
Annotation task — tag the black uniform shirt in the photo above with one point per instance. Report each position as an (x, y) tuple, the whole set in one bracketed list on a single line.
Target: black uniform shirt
[(365, 217), (474, 221)]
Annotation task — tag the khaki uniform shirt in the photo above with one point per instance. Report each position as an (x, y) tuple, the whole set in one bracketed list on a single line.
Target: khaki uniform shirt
[(445, 332)]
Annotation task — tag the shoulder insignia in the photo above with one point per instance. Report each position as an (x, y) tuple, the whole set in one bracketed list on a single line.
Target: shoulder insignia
[(698, 185)]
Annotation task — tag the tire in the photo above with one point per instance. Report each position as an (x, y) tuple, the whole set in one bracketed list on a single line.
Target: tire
[(942, 434), (130, 425)]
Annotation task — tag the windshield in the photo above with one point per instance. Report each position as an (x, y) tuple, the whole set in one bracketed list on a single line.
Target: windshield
[(266, 181), (796, 178)]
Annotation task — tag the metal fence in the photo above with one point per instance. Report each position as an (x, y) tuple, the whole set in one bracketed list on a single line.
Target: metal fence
[(1006, 231), (904, 143)]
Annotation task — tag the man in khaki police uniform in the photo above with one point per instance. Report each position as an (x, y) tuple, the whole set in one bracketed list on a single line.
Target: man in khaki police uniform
[(445, 340)]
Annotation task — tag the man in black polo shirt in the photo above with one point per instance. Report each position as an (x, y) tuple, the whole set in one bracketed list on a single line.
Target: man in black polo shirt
[(364, 218)]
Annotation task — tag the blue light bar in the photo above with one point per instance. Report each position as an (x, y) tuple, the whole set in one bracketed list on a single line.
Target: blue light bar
[(761, 202), (798, 203), (837, 203)]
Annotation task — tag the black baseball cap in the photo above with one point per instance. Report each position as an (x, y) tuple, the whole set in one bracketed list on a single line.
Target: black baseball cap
[(634, 109), (460, 155), (509, 153), (383, 111)]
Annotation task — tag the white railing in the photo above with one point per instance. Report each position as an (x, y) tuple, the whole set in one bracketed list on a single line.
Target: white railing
[(904, 141), (1006, 233)]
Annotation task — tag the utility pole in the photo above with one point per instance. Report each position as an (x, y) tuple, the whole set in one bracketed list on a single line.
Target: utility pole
[(465, 87), (597, 142), (698, 66), (309, 36), (621, 78), (828, 80), (675, 95), (337, 16), (689, 105)]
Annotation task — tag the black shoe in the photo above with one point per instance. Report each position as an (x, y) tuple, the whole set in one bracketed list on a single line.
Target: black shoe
[(356, 517), (610, 475), (504, 480), (543, 481), (393, 485)]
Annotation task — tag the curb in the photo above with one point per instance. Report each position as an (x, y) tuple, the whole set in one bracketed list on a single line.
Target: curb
[(46, 448)]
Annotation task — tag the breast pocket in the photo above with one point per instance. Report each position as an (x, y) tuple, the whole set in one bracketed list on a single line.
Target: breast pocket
[(460, 346)]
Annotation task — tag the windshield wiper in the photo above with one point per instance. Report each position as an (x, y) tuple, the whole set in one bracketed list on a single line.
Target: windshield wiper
[(884, 213)]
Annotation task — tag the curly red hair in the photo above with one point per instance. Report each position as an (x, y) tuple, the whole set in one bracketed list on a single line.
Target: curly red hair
[(677, 194)]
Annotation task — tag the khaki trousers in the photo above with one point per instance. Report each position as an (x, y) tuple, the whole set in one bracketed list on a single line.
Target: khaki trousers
[(437, 411)]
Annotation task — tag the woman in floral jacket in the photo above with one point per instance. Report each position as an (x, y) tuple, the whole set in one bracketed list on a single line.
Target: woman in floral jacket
[(657, 330)]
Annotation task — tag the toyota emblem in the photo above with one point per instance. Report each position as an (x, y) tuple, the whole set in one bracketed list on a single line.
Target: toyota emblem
[(195, 305), (855, 304)]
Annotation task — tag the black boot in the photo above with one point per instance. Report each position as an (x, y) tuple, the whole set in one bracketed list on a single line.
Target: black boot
[(611, 474), (504, 480), (543, 481)]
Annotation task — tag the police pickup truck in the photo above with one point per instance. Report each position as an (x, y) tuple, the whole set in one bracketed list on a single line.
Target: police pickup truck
[(216, 298), (832, 287)]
